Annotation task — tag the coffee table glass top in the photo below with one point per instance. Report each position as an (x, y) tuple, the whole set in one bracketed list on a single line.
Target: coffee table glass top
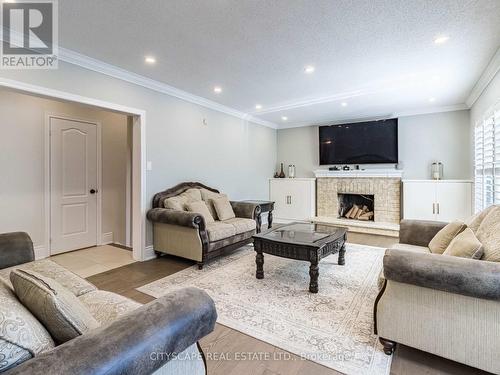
[(302, 233)]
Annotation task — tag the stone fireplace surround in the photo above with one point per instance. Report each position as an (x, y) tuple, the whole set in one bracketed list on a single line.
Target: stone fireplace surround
[(386, 189)]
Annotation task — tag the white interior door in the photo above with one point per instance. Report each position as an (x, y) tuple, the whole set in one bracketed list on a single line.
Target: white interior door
[(73, 185)]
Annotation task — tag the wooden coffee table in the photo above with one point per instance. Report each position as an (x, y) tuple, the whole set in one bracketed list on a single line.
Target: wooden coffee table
[(300, 241)]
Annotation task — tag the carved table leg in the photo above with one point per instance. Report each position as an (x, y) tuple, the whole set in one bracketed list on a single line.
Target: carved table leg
[(313, 273), (341, 260), (259, 260), (270, 219), (389, 346)]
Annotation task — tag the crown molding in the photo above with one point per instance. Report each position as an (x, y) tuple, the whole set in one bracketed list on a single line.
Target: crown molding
[(86, 62), (416, 112), (484, 80)]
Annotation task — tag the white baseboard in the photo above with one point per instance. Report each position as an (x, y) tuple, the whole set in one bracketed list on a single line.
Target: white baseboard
[(107, 238), (41, 252), (149, 253)]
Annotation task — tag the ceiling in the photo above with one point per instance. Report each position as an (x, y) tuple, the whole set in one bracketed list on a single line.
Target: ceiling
[(379, 57)]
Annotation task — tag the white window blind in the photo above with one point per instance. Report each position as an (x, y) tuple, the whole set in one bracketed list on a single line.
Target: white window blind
[(487, 161)]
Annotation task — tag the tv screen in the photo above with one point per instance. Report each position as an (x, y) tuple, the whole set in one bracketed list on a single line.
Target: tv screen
[(368, 142)]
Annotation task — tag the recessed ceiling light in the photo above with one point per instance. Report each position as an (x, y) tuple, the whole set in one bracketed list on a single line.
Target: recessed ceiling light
[(343, 104), (258, 106), (217, 89), (441, 39), (150, 59), (284, 118), (309, 69), (432, 99)]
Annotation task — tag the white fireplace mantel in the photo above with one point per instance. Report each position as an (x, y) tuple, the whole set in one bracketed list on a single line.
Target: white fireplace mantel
[(378, 173)]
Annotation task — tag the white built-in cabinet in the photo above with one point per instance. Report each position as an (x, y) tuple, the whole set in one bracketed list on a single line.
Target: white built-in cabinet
[(295, 198), (443, 200)]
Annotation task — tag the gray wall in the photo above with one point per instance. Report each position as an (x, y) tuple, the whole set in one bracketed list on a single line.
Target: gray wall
[(22, 124), (230, 154), (422, 139)]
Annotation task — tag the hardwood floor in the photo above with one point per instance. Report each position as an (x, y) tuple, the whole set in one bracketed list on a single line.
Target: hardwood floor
[(231, 352)]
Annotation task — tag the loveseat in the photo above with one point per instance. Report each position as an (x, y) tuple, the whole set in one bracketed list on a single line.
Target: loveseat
[(195, 235), (445, 305), (159, 337)]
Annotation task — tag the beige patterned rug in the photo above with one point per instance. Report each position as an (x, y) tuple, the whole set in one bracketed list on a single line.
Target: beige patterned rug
[(333, 328)]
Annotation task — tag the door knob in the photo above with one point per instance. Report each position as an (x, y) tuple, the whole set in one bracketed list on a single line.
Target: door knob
[(93, 191)]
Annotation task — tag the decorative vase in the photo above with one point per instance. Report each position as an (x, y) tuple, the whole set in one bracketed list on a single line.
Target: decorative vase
[(437, 171), (282, 173), (291, 171)]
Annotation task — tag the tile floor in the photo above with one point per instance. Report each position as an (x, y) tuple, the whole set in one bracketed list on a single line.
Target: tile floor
[(94, 260)]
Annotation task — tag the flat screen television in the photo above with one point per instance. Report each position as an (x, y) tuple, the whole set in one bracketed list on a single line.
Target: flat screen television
[(370, 142)]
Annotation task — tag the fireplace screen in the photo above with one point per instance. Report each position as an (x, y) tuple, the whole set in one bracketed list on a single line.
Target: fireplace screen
[(356, 206)]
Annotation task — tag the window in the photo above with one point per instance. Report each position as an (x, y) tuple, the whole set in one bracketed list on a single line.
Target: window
[(487, 161)]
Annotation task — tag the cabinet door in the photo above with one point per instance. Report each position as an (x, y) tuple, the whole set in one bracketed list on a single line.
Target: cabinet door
[(279, 191), (454, 201), (419, 200), (300, 201)]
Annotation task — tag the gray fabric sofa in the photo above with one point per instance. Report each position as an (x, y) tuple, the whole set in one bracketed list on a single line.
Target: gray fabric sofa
[(157, 338), (186, 234), (445, 305)]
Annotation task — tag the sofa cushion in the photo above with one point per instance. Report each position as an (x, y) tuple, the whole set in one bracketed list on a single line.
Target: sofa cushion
[(223, 208), (443, 238), (465, 245), (475, 221), (241, 225), (219, 230), (60, 311), (207, 197), (74, 283), (202, 209), (106, 307), (489, 235), (179, 201), (22, 336), (404, 246)]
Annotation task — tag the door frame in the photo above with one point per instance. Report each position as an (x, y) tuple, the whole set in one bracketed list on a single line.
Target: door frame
[(47, 147), (139, 201)]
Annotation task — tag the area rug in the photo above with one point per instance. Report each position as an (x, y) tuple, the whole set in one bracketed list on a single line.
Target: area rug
[(333, 327)]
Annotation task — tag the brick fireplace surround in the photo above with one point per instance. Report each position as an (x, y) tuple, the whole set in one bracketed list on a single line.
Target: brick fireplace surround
[(386, 190)]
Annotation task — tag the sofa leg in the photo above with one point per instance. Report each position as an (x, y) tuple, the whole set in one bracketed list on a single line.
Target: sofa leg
[(200, 265), (389, 346)]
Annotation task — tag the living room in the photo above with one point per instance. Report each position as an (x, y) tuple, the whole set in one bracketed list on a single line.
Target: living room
[(240, 187)]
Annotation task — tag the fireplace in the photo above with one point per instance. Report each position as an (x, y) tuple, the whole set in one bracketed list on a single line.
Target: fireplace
[(356, 206)]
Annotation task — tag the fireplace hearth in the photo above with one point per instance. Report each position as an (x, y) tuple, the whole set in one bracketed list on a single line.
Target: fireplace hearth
[(356, 206)]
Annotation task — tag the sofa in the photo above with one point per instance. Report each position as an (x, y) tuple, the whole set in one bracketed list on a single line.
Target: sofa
[(159, 337), (179, 232), (445, 305)]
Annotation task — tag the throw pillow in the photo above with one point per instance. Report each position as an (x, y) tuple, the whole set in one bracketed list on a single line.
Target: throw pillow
[(443, 238), (202, 209), (465, 245), (475, 221), (223, 208), (489, 235), (175, 203), (59, 310), (207, 196)]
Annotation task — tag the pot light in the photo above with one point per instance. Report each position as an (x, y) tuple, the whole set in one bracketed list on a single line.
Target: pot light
[(150, 59), (258, 106), (284, 118), (343, 104), (441, 39), (432, 99), (217, 89), (309, 69)]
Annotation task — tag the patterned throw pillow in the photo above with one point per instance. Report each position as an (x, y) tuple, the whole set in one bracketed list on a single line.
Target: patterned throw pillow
[(443, 238), (59, 310), (489, 235), (202, 209), (208, 196), (21, 335), (465, 245)]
